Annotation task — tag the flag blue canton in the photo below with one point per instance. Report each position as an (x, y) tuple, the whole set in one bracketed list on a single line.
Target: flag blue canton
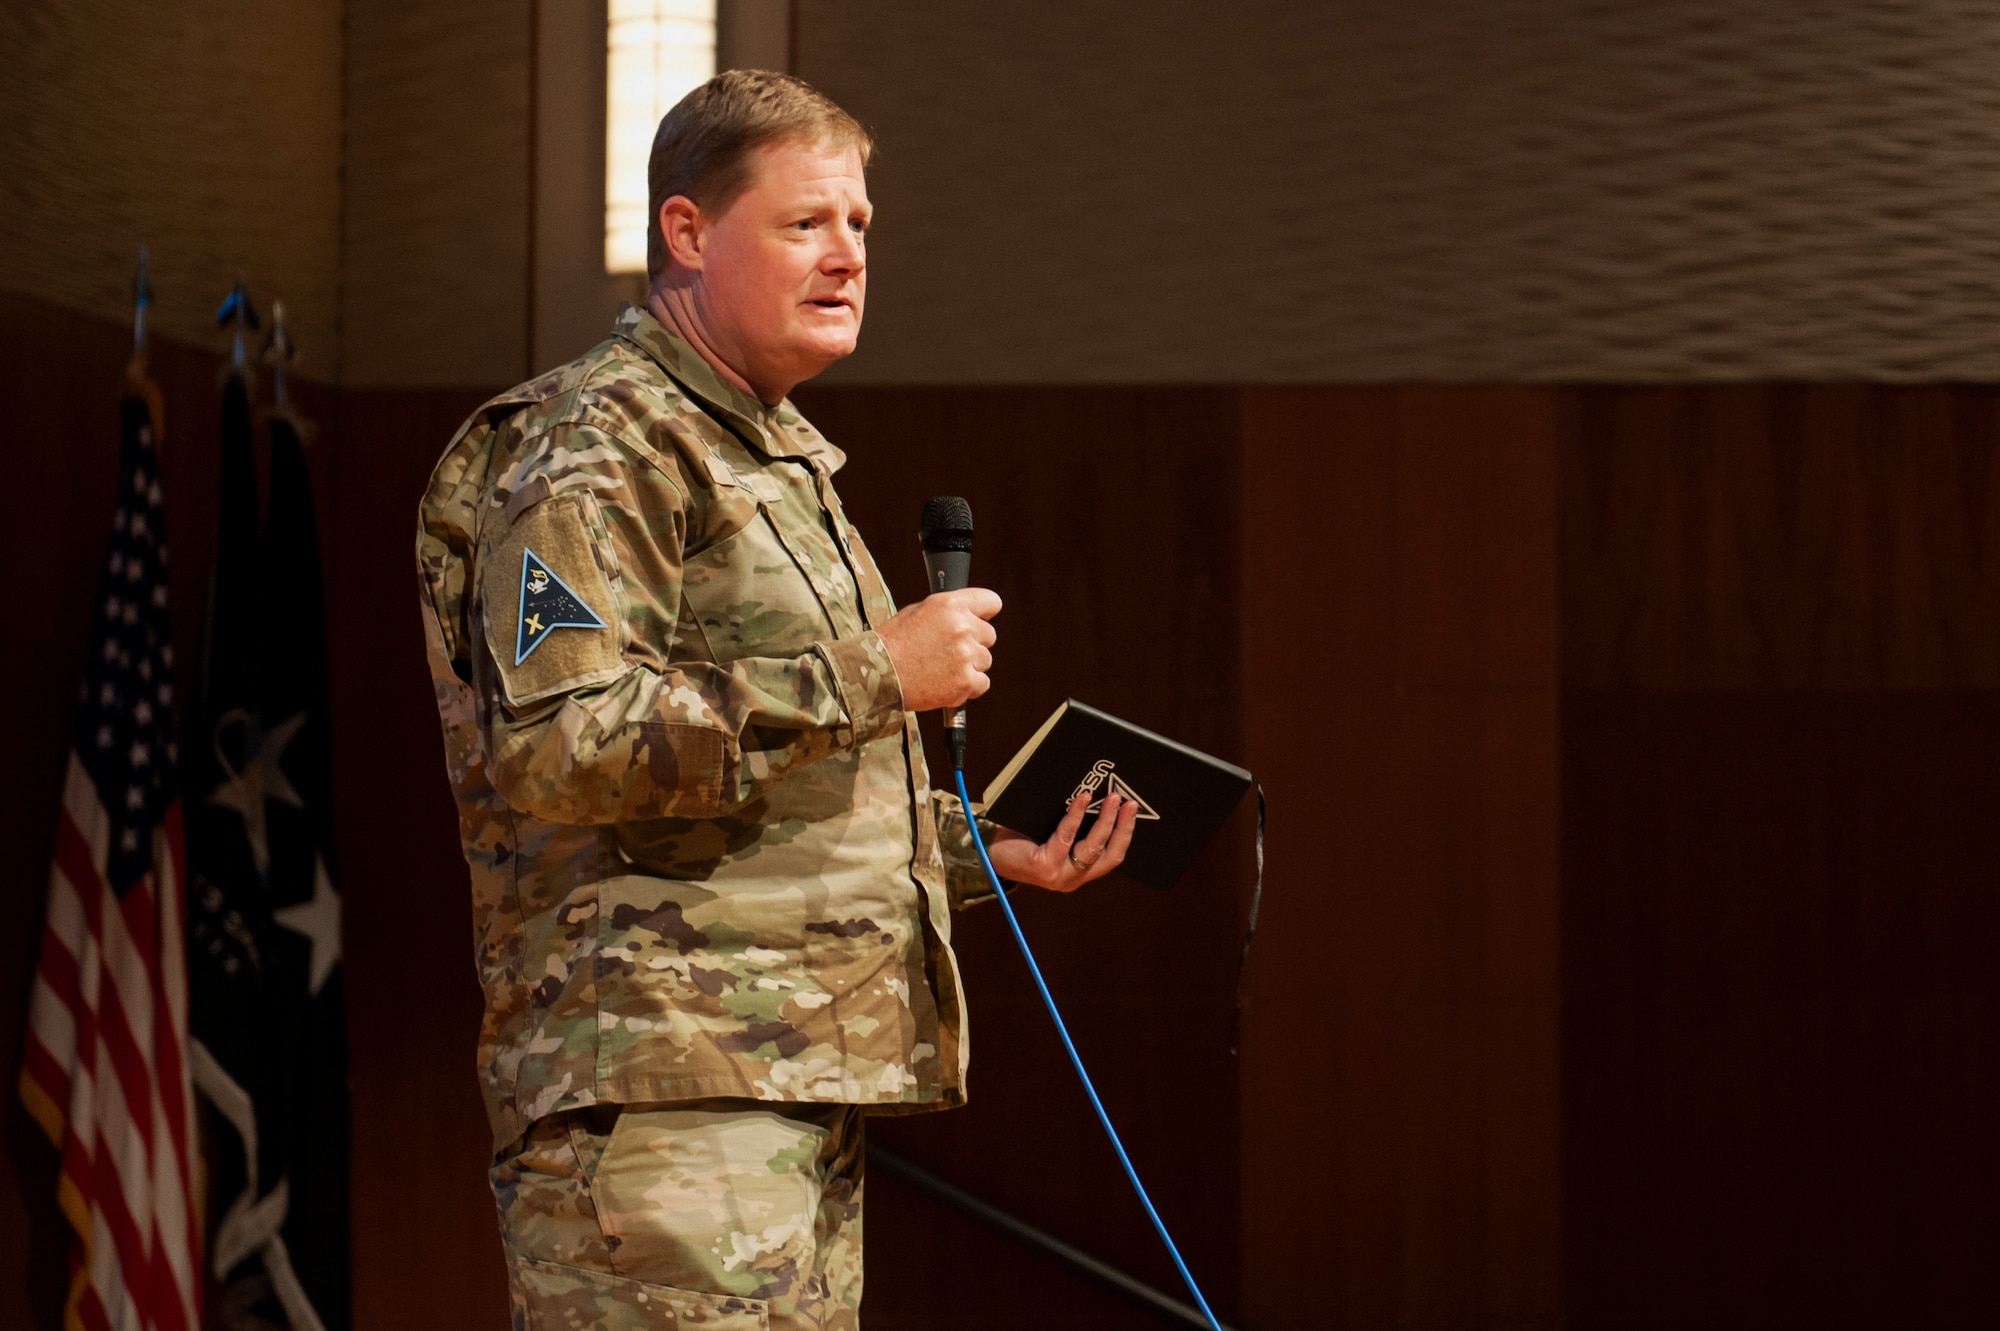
[(124, 720)]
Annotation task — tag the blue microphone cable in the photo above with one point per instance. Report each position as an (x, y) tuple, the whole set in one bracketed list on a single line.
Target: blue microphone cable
[(1076, 1059)]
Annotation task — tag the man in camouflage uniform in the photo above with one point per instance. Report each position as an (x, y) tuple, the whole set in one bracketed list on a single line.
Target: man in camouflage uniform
[(711, 884)]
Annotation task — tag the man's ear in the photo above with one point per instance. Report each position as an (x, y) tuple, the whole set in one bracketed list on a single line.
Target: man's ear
[(681, 226)]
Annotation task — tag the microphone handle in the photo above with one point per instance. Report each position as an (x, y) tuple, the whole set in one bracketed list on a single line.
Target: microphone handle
[(954, 736), (950, 571)]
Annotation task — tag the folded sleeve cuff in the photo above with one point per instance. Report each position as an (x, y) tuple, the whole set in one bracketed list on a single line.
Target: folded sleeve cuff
[(871, 694), (965, 880)]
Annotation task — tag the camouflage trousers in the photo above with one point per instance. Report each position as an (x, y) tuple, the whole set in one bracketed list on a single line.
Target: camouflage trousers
[(726, 1215)]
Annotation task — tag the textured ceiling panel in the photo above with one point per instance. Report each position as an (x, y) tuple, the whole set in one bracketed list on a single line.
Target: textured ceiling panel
[(1465, 190), (206, 129)]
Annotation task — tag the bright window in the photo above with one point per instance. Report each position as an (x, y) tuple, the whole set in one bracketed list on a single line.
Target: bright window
[(659, 50)]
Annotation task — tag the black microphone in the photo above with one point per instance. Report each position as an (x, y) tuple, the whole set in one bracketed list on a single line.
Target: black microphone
[(945, 531)]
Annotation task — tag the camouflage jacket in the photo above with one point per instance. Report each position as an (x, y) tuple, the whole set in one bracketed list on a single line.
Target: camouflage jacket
[(706, 859)]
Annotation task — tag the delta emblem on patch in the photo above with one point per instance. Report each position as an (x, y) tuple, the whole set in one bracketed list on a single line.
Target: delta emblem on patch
[(547, 604)]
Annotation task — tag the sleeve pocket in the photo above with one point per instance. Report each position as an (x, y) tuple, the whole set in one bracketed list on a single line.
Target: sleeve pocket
[(550, 602)]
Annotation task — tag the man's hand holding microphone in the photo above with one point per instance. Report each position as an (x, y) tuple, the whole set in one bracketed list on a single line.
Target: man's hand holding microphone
[(942, 648)]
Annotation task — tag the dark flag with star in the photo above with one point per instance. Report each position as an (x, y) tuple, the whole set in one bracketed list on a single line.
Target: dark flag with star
[(264, 916)]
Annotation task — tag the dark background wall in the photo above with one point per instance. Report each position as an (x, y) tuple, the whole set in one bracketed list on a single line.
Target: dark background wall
[(1401, 1062), (1780, 791), (1630, 728)]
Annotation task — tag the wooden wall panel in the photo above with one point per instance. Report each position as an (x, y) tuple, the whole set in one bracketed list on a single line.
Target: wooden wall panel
[(1836, 536), (1399, 641), (1781, 1030), (1780, 789), (426, 1244)]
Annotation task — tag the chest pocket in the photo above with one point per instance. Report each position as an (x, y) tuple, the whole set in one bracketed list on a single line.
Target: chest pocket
[(748, 596)]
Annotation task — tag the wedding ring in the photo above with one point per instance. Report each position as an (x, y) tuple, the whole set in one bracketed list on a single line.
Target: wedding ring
[(1080, 865)]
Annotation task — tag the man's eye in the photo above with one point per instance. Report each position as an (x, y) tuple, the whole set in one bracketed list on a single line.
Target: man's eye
[(804, 224)]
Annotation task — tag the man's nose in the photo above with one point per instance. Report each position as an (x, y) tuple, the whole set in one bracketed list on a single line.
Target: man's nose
[(847, 255)]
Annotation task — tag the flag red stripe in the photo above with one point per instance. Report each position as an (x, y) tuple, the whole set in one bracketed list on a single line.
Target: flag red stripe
[(168, 1311), (41, 1065), (136, 911), (111, 1272), (59, 968), (83, 1117), (77, 864), (119, 1139), (129, 1062), (170, 1065), (90, 1309)]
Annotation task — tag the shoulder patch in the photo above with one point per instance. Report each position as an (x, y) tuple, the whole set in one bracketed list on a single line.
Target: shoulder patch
[(547, 604), (550, 600)]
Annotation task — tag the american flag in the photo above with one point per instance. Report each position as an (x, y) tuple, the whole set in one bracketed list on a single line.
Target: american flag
[(106, 1069)]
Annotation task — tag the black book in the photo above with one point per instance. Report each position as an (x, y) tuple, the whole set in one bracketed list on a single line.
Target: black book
[(1183, 794)]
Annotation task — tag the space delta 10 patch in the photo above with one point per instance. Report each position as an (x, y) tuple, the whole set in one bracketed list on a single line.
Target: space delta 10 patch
[(547, 604)]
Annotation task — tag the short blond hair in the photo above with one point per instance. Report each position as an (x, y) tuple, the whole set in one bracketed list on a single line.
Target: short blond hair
[(702, 148)]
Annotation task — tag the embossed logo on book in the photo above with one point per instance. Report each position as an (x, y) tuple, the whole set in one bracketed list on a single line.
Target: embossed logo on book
[(1100, 776), (547, 604)]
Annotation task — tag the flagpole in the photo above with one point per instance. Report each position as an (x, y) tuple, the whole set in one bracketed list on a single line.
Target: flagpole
[(239, 316), (281, 351), (138, 377)]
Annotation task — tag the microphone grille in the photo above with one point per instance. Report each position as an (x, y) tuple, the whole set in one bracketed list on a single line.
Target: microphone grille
[(946, 524)]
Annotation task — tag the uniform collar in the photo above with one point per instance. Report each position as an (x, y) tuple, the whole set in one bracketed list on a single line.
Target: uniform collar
[(775, 431)]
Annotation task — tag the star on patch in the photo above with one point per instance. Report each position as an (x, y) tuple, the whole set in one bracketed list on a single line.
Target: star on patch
[(547, 604)]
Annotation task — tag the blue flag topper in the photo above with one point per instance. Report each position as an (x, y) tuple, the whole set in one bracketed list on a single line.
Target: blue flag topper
[(547, 604)]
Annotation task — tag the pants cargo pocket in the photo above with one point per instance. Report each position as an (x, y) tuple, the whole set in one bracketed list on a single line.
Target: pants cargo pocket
[(569, 1298)]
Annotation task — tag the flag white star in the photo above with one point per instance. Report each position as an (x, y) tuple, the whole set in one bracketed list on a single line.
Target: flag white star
[(319, 921), (261, 778)]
